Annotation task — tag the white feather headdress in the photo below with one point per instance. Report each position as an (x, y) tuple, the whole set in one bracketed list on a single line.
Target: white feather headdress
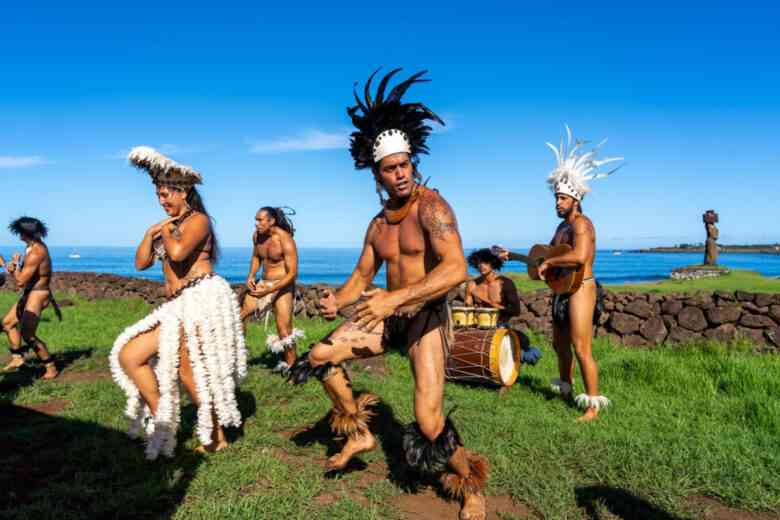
[(574, 169), (162, 169)]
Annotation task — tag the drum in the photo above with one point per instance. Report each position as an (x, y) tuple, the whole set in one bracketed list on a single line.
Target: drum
[(486, 318), (463, 317), (484, 356)]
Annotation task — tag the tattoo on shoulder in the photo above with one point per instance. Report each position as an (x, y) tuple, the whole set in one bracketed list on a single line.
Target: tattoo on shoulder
[(437, 216)]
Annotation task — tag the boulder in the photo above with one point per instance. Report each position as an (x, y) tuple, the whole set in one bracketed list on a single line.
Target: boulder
[(756, 321), (773, 336), (764, 299), (728, 313), (539, 307), (682, 335), (744, 296), (692, 318), (755, 309), (624, 323), (639, 308), (669, 321), (774, 312), (633, 340), (671, 307), (724, 296), (723, 333), (754, 335), (654, 330)]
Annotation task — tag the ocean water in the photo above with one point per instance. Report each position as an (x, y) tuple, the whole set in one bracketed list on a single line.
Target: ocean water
[(333, 266)]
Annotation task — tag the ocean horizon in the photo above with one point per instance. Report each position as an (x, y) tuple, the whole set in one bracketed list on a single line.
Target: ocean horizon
[(334, 265)]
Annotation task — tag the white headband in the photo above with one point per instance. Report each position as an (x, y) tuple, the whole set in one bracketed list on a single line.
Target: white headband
[(390, 142), (566, 188)]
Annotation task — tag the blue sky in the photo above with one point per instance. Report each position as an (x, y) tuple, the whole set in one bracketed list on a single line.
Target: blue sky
[(254, 98)]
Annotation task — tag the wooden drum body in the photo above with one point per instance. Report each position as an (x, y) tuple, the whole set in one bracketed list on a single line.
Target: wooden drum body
[(489, 356)]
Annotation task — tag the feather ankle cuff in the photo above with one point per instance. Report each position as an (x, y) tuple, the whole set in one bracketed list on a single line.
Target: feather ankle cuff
[(596, 402)]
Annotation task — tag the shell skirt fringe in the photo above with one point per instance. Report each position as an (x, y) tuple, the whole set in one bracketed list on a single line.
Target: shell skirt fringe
[(207, 315)]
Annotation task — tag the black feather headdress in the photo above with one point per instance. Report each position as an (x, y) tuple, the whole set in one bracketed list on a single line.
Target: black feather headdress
[(29, 226), (384, 115)]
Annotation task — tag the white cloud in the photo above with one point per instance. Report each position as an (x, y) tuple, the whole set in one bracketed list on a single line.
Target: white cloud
[(10, 161), (311, 140)]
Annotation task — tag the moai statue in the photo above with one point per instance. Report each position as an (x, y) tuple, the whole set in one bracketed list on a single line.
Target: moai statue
[(710, 218)]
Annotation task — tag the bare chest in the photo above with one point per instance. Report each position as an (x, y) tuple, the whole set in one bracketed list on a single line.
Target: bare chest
[(490, 291), (392, 242), (270, 250), (564, 235)]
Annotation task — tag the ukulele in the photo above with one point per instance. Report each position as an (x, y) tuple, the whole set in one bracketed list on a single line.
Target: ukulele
[(560, 280)]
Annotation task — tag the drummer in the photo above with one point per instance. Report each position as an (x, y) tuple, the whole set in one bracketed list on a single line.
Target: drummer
[(495, 291)]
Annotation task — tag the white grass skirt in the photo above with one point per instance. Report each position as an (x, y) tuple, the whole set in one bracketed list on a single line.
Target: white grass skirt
[(208, 315)]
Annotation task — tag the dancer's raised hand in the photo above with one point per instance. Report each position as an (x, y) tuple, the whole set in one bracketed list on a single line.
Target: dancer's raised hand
[(328, 305)]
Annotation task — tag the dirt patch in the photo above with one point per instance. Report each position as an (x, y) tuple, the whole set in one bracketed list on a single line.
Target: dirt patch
[(52, 407), (711, 509), (83, 376), (427, 504)]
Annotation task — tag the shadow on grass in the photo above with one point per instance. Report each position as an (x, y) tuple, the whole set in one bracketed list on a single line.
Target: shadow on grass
[(388, 431), (54, 467), (189, 417), (28, 373), (267, 360), (619, 503)]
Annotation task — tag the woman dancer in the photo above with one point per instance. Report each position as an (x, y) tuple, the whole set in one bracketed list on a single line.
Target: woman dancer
[(196, 334)]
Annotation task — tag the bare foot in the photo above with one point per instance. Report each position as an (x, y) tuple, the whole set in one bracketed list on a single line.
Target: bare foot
[(51, 372), (211, 448), (589, 415), (16, 362), (473, 507), (339, 461)]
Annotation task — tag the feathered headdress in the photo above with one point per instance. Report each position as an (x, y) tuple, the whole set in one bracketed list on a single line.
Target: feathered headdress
[(32, 227), (574, 170), (163, 171), (386, 125)]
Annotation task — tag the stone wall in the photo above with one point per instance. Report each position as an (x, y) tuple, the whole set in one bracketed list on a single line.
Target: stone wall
[(638, 319), (634, 319)]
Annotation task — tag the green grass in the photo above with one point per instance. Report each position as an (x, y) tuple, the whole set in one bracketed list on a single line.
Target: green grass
[(686, 421), (736, 280)]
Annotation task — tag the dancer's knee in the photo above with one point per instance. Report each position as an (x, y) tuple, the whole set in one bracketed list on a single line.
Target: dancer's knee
[(127, 359), (431, 424), (320, 354)]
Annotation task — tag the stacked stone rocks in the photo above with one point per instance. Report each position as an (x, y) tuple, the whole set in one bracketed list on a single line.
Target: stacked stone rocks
[(634, 319), (639, 319)]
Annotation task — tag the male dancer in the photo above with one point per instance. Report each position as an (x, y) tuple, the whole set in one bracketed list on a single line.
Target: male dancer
[(575, 314), (416, 235), (274, 249), (34, 276)]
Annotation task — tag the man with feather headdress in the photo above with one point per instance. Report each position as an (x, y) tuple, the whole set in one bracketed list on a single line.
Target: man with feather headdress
[(33, 274), (575, 314), (416, 235)]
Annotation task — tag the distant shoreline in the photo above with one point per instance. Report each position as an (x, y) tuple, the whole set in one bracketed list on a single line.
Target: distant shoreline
[(767, 250)]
